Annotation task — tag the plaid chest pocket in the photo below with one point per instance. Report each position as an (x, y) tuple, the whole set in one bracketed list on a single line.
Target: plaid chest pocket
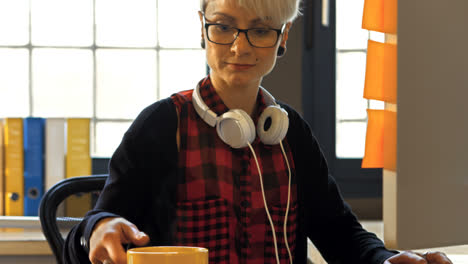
[(277, 215), (205, 224)]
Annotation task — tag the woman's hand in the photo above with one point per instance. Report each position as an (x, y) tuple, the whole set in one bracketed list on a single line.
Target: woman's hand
[(105, 244), (408, 257)]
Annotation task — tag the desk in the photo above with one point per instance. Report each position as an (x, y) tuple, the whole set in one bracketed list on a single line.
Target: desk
[(458, 254), (28, 245)]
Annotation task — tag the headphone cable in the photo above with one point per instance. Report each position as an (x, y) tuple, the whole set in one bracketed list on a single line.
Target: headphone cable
[(287, 206), (266, 206)]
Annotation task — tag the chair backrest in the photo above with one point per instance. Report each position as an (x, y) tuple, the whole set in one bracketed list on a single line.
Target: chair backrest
[(52, 199)]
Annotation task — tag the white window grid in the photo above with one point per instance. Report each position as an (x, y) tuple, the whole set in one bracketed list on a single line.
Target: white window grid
[(370, 104), (94, 47)]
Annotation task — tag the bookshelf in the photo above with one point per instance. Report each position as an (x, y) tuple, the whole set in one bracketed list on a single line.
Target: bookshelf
[(22, 235)]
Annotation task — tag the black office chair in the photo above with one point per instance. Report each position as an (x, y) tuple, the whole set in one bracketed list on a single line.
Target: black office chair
[(52, 199)]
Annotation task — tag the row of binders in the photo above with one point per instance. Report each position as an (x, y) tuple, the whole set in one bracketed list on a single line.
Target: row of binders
[(35, 154)]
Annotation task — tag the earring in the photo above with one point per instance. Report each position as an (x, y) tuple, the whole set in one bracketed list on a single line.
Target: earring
[(202, 43), (281, 51)]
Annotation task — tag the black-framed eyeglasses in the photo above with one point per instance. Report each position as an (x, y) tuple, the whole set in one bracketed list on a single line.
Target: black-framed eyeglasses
[(226, 35)]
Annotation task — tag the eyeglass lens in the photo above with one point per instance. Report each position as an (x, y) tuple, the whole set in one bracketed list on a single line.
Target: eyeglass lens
[(223, 34)]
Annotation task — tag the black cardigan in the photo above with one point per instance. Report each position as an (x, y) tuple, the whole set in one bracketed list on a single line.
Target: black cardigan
[(142, 185)]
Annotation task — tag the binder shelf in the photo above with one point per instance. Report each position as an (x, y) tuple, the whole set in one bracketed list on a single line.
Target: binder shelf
[(22, 235)]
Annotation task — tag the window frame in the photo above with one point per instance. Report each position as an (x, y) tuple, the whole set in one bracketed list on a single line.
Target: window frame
[(319, 103)]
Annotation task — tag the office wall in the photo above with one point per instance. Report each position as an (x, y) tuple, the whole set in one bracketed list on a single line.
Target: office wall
[(285, 81), (425, 201)]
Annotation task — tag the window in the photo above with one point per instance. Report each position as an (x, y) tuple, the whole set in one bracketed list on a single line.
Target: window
[(101, 59), (351, 48), (333, 80)]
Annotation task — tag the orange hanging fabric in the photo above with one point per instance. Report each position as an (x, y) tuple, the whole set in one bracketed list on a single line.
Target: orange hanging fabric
[(373, 156), (381, 72), (380, 15), (380, 151), (381, 84), (390, 16)]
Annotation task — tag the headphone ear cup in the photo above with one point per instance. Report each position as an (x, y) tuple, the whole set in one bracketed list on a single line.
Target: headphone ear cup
[(273, 125), (236, 128)]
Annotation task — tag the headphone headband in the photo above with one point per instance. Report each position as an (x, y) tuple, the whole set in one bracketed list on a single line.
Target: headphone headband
[(269, 99), (202, 109), (236, 128), (211, 117)]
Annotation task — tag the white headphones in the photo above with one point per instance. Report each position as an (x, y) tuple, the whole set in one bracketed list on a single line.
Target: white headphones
[(236, 128)]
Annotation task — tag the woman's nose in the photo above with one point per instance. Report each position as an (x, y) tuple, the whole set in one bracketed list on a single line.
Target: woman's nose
[(241, 44)]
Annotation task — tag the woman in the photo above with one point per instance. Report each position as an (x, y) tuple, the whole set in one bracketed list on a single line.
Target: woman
[(194, 170)]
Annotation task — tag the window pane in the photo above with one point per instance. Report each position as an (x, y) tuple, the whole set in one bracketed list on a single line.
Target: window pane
[(14, 22), (108, 137), (126, 82), (350, 75), (62, 82), (374, 104), (122, 23), (62, 23), (184, 30), (349, 32), (350, 139), (14, 71), (377, 36), (189, 63)]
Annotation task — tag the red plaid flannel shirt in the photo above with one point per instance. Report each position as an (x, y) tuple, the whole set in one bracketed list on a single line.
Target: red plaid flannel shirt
[(220, 203)]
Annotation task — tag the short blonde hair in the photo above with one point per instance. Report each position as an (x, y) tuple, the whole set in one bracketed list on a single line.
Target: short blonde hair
[(282, 11)]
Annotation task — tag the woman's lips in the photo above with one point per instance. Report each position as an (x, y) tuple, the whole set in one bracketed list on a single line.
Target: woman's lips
[(237, 66)]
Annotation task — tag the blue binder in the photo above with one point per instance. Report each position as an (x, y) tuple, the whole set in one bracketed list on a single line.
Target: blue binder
[(33, 164)]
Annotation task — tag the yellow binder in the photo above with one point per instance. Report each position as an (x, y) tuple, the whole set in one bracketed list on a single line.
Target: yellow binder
[(78, 163), (14, 181)]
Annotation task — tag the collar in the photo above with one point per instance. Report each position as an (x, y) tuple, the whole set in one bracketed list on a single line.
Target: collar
[(216, 104)]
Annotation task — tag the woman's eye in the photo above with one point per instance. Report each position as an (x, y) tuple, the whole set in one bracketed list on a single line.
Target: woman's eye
[(223, 28), (259, 31)]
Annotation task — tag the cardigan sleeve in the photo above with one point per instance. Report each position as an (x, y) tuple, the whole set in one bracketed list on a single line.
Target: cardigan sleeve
[(328, 219), (136, 176)]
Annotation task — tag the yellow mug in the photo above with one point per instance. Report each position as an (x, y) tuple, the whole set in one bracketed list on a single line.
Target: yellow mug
[(167, 255)]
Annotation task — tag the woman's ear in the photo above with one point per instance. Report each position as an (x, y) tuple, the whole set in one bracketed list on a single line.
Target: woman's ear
[(285, 34), (282, 47), (202, 42), (200, 15)]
